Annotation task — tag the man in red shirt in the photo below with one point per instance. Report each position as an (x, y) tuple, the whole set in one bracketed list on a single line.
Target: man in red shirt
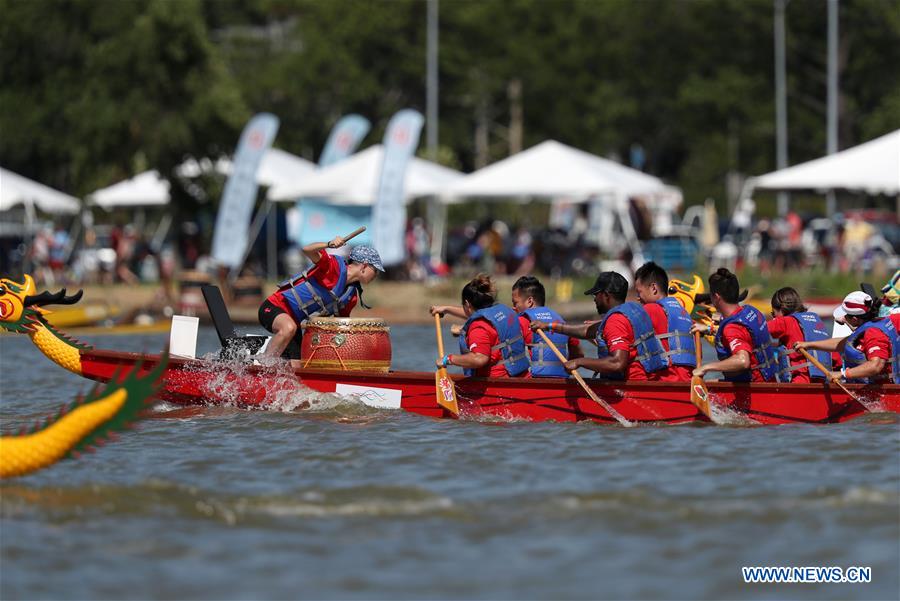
[(743, 338), (615, 334), (332, 286), (651, 282), (872, 348)]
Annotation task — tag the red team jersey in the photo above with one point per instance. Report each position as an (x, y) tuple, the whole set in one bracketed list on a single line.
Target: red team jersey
[(326, 271), (787, 331), (660, 321), (737, 338), (619, 335)]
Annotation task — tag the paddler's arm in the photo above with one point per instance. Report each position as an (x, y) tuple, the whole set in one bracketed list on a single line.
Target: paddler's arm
[(312, 250), (582, 330), (870, 368), (616, 362), (466, 360), (739, 361), (829, 344), (454, 310)]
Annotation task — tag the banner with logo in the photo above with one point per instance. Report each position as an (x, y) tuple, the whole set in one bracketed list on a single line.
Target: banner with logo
[(389, 212), (322, 221), (345, 136), (233, 220)]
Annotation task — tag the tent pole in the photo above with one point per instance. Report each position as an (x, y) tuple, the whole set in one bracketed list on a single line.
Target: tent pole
[(271, 255), (255, 227), (637, 254), (781, 150)]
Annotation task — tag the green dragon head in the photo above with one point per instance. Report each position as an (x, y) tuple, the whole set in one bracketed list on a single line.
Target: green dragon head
[(20, 306)]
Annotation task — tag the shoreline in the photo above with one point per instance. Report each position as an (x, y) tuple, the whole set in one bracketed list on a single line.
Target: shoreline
[(398, 303)]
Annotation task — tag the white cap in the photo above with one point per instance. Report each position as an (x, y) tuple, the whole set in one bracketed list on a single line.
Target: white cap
[(855, 303)]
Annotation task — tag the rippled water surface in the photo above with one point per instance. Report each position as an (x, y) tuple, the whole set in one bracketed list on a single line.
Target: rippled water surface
[(348, 502)]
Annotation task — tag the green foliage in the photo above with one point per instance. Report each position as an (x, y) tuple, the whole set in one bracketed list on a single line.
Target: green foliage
[(95, 90)]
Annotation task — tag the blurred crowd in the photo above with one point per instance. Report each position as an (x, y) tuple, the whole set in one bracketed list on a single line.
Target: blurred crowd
[(860, 240)]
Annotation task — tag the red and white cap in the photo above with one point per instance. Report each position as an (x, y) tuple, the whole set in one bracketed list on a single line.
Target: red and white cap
[(855, 303)]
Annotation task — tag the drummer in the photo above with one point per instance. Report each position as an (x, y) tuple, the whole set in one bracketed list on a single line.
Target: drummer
[(332, 286), (490, 341)]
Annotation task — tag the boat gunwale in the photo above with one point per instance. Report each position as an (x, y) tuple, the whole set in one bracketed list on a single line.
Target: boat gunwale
[(550, 383)]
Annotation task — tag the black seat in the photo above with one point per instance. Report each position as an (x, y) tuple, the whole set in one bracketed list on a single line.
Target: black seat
[(233, 344)]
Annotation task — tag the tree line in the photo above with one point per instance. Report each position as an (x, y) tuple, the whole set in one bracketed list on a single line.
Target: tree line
[(97, 90)]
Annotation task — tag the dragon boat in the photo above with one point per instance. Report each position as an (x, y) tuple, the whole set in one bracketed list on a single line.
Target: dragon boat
[(212, 381)]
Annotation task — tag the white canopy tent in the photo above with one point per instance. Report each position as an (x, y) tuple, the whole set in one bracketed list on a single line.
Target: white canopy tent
[(872, 167), (354, 181), (147, 189), (18, 190), (277, 168), (553, 169)]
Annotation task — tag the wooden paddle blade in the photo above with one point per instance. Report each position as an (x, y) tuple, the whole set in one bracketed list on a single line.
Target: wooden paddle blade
[(445, 390), (700, 395)]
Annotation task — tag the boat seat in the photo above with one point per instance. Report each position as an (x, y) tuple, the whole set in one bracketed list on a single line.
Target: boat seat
[(233, 344)]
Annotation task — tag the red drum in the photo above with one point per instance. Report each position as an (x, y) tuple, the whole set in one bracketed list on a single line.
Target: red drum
[(346, 343)]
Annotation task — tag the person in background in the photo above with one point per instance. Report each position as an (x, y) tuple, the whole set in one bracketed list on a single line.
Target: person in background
[(671, 322), (529, 300), (791, 323), (627, 347), (743, 343), (872, 352), (490, 341), (332, 286)]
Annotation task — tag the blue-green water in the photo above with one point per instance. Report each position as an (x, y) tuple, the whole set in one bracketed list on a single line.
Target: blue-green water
[(348, 502)]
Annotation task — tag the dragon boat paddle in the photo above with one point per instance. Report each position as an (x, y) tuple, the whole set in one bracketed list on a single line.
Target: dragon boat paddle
[(618, 416), (352, 234), (812, 359), (444, 387), (699, 392)]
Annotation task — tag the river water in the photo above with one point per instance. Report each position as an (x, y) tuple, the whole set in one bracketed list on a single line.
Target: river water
[(349, 502)]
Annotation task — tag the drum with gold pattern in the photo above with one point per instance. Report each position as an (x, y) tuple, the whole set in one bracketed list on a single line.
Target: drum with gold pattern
[(347, 343)]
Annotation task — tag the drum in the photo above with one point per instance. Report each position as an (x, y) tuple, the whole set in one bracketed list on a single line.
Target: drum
[(346, 343)]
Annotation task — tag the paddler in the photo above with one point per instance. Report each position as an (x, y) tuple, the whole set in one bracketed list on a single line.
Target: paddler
[(490, 342), (792, 322), (331, 287), (627, 347), (671, 322), (872, 352), (743, 343), (528, 300)]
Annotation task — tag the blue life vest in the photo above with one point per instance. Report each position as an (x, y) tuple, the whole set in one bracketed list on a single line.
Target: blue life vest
[(308, 297), (813, 329), (544, 363), (763, 346), (853, 356), (650, 352), (681, 343), (511, 344)]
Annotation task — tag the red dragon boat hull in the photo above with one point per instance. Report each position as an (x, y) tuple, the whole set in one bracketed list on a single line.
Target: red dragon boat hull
[(198, 381)]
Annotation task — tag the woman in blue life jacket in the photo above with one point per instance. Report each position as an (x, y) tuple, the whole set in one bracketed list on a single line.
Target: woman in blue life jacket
[(872, 352), (792, 322), (528, 300), (490, 341), (332, 286)]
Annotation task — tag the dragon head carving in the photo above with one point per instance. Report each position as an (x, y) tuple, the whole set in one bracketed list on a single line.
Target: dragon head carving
[(21, 308)]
